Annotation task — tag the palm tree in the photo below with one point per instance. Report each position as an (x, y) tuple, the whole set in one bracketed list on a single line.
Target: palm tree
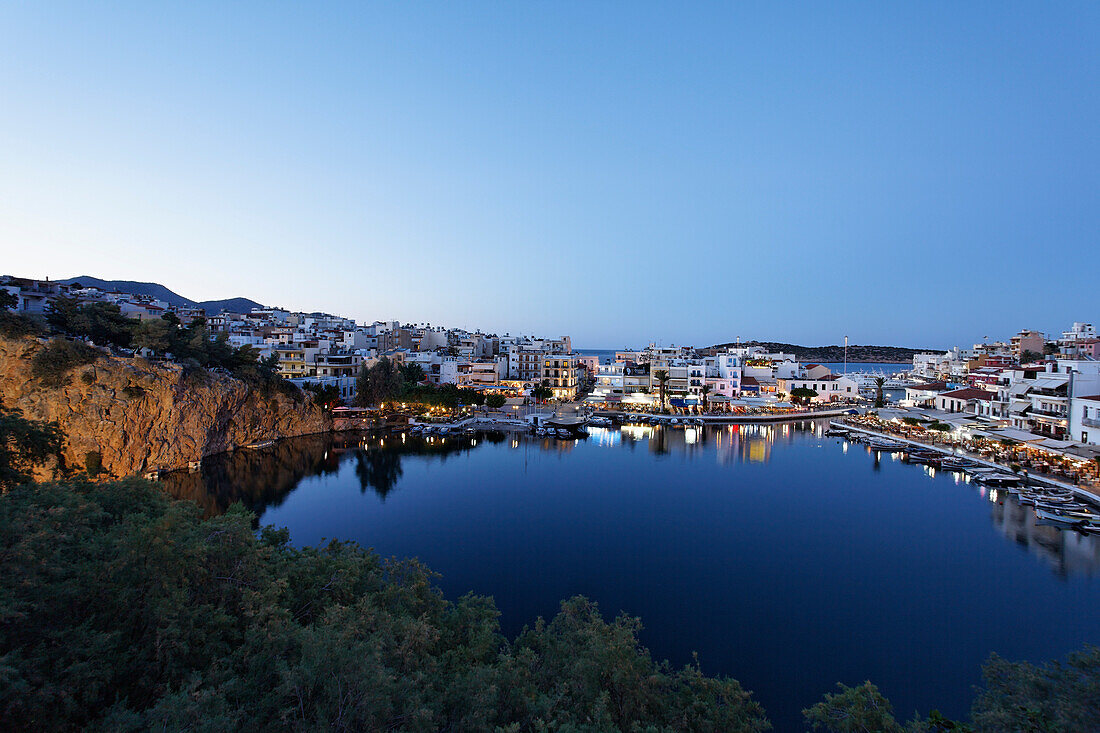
[(661, 375), (879, 382), (705, 390)]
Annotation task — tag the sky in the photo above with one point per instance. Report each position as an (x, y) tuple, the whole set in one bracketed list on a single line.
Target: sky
[(918, 174)]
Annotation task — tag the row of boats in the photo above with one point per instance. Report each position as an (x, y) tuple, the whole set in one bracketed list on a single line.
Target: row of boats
[(1053, 505), (663, 420), (443, 430)]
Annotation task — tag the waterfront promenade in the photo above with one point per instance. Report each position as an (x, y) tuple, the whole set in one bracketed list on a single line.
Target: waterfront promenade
[(1089, 493)]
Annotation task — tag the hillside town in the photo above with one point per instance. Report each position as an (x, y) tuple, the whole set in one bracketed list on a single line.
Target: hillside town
[(1030, 388)]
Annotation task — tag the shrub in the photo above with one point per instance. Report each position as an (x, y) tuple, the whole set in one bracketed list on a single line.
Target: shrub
[(15, 325), (57, 358)]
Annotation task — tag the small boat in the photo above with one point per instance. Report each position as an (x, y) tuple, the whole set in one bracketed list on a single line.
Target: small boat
[(1003, 480), (951, 463), (891, 445), (674, 421), (836, 433), (261, 444), (194, 465), (1054, 515), (562, 433)]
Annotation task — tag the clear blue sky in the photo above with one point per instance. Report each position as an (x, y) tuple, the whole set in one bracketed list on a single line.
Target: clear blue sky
[(904, 173)]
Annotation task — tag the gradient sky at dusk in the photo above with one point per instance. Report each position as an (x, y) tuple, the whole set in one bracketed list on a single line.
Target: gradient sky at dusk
[(918, 174)]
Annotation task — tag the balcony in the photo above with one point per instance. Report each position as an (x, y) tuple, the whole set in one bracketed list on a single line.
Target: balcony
[(1047, 413), (1092, 422)]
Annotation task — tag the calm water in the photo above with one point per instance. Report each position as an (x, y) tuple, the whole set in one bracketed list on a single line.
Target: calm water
[(785, 559)]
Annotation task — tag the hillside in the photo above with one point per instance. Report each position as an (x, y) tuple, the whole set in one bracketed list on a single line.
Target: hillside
[(856, 353), (135, 415), (156, 290)]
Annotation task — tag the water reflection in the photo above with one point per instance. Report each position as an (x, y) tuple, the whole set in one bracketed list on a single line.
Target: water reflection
[(264, 478), (1068, 551)]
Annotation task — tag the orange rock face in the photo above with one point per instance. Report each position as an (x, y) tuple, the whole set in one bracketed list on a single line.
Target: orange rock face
[(139, 415)]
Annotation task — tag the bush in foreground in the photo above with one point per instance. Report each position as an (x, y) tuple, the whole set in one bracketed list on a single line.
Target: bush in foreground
[(120, 608)]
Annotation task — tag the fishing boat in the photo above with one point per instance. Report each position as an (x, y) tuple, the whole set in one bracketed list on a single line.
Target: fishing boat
[(562, 433), (261, 444)]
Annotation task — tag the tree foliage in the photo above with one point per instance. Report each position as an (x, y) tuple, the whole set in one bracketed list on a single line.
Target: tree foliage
[(662, 377), (1053, 697), (880, 400), (495, 401), (122, 609), (542, 392), (52, 363), (103, 323), (861, 709), (326, 395), (802, 395), (379, 383), (15, 325)]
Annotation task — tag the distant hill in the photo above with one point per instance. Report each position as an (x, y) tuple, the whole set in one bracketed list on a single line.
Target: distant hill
[(856, 354), (160, 292)]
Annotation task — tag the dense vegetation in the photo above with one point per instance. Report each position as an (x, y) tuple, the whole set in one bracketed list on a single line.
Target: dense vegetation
[(885, 354), (120, 608), (387, 381)]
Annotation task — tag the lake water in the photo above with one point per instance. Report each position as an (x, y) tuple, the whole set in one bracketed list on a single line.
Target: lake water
[(785, 559)]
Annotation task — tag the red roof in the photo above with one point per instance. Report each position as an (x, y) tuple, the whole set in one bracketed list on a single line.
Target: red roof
[(1094, 398), (749, 380), (968, 393), (931, 387)]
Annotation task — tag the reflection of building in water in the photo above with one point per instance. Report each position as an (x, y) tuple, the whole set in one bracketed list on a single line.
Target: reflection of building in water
[(1068, 551)]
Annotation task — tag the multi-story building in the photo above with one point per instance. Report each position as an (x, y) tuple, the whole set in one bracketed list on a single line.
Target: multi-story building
[(829, 388), (1028, 343), (559, 372)]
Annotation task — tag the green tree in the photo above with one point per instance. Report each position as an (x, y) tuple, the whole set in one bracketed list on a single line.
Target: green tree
[(14, 324), (706, 389), (24, 444), (380, 382), (861, 709), (1029, 356), (880, 400), (661, 375), (542, 391), (495, 401), (327, 395), (1052, 697), (101, 322), (412, 374), (802, 395), (155, 335)]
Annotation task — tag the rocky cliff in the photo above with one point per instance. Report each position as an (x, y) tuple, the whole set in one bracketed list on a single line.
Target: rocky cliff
[(138, 415)]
